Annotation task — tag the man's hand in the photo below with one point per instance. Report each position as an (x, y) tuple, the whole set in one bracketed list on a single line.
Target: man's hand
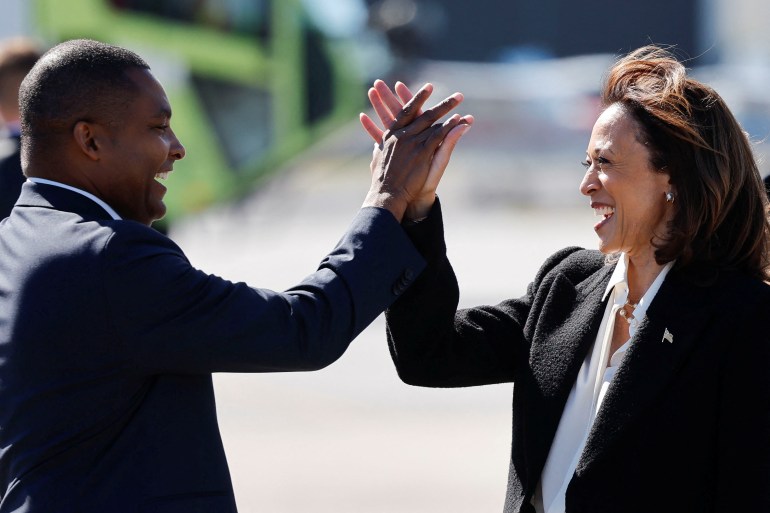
[(406, 166)]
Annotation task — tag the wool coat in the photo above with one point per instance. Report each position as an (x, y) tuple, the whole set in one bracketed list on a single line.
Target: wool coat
[(685, 424)]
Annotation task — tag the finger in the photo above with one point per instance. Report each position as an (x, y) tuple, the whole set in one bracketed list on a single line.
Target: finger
[(437, 133), (443, 154), (404, 93), (390, 100), (468, 119), (411, 110), (447, 146), (380, 108), (430, 116), (371, 128)]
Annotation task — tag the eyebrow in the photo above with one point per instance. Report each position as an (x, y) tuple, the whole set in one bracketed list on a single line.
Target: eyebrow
[(163, 112), (596, 151)]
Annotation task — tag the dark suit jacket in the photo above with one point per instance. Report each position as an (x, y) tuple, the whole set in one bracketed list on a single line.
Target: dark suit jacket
[(108, 338), (11, 176), (684, 427)]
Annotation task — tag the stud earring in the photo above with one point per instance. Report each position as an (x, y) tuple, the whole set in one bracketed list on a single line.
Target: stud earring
[(669, 197)]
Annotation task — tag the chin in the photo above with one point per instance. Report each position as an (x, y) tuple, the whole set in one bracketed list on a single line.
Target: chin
[(605, 248), (157, 215)]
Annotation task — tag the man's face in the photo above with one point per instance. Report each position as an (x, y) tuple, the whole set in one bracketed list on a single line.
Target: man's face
[(140, 149)]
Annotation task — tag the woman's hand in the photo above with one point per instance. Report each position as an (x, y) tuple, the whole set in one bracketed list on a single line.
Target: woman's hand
[(388, 107)]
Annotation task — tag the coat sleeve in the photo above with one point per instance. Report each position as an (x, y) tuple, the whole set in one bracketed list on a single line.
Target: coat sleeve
[(433, 344), (171, 317)]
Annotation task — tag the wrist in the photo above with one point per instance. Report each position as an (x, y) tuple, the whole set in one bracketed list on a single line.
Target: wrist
[(395, 205), (419, 209)]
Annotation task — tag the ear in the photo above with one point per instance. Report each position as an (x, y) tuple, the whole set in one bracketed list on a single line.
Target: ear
[(88, 138)]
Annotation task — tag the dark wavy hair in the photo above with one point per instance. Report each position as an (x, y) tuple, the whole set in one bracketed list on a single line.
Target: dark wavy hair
[(721, 207)]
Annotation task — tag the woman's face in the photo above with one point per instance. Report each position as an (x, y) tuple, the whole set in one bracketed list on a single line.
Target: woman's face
[(625, 191)]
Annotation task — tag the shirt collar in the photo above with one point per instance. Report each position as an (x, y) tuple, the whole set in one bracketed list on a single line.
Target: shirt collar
[(619, 283), (618, 275), (88, 195)]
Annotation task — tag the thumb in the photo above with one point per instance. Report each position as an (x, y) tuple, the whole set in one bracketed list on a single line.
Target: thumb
[(443, 154)]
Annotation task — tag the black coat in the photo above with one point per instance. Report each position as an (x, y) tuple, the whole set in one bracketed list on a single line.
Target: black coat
[(684, 427)]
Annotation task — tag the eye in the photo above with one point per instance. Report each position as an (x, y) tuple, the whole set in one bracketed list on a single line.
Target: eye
[(162, 128), (598, 161)]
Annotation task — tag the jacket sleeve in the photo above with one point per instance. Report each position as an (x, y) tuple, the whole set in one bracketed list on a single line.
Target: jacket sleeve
[(433, 344), (171, 317)]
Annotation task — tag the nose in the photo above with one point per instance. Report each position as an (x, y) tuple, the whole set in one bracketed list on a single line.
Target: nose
[(590, 183), (176, 151)]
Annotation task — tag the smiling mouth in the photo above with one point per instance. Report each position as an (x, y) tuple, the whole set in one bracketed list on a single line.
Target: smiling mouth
[(163, 175), (604, 212)]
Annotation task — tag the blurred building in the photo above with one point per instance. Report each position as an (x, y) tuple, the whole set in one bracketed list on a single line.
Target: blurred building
[(708, 31), (255, 81)]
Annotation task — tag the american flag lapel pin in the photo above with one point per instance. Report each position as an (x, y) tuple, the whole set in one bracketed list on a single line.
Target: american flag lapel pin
[(668, 337)]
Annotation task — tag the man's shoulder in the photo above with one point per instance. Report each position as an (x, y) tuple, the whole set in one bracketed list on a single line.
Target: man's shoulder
[(66, 232), (130, 236)]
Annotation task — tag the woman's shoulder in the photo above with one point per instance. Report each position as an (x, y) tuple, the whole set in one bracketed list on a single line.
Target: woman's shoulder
[(574, 263), (731, 284), (575, 259)]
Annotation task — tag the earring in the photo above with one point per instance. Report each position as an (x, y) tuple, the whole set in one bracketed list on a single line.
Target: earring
[(669, 197)]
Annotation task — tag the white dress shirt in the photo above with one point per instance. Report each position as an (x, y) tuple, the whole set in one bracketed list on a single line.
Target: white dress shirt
[(88, 195), (588, 392)]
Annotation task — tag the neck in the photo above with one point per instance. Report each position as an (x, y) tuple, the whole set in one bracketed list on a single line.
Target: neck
[(642, 271)]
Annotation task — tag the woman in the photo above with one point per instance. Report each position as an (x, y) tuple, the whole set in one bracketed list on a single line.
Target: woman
[(641, 371)]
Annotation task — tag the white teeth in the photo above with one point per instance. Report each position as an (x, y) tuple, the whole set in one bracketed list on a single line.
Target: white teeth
[(163, 176), (603, 211)]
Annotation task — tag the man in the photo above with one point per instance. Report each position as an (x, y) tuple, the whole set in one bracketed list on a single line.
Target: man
[(17, 56), (108, 336)]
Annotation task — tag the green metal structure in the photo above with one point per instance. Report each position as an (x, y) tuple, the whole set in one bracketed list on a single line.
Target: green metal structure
[(243, 102)]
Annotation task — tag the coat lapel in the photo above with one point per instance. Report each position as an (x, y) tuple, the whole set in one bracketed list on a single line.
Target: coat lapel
[(566, 329), (659, 348), (567, 326)]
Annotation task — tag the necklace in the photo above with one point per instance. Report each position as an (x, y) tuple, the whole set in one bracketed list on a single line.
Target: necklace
[(625, 314)]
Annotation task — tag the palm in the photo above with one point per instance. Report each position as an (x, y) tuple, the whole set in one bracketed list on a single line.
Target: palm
[(387, 105)]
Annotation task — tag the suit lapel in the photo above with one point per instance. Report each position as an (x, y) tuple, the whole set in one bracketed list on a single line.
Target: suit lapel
[(658, 349)]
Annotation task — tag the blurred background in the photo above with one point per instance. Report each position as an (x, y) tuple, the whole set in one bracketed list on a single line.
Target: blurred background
[(266, 95)]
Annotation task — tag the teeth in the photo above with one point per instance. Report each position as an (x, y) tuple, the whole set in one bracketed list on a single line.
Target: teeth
[(163, 176), (603, 211)]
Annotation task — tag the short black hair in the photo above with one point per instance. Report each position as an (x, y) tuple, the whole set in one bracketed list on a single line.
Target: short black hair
[(77, 80)]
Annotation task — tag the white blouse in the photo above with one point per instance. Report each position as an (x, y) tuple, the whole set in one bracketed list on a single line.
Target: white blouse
[(588, 392)]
